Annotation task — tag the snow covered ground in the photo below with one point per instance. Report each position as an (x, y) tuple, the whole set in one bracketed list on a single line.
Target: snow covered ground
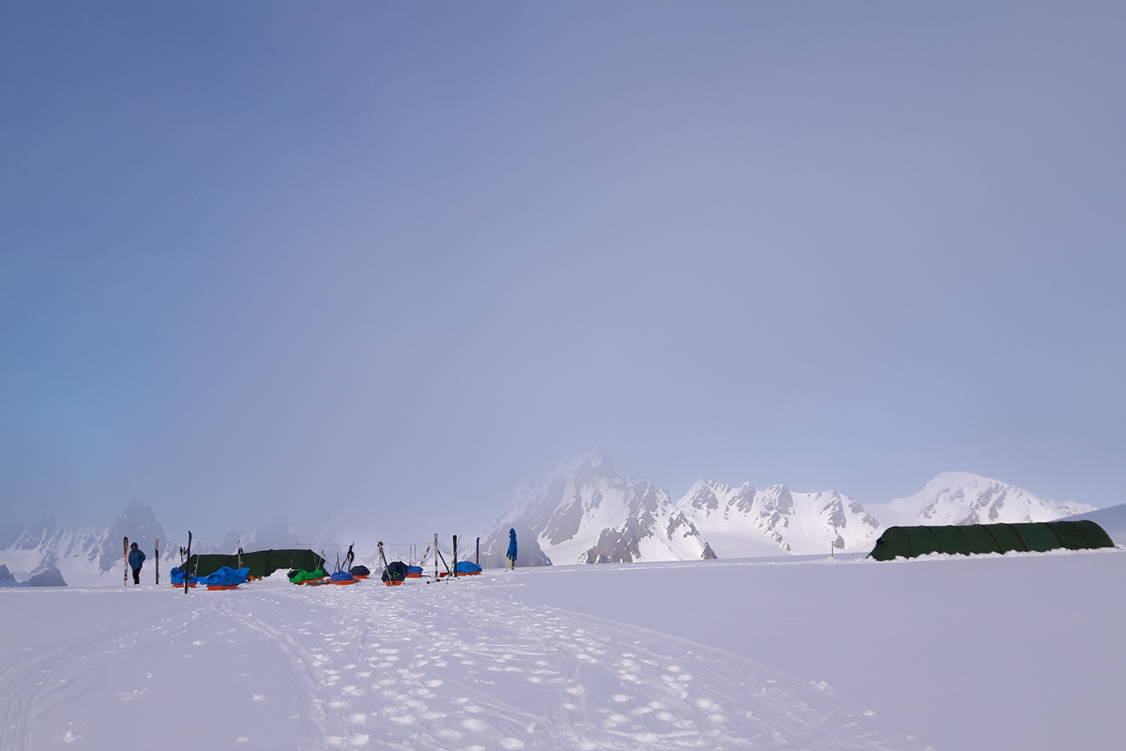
[(949, 653)]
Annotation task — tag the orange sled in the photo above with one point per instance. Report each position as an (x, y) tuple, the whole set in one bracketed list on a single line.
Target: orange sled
[(360, 576), (390, 583), (346, 581), (181, 586), (222, 586)]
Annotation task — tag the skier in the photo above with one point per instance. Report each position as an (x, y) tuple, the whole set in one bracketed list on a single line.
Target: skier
[(136, 560), (510, 557)]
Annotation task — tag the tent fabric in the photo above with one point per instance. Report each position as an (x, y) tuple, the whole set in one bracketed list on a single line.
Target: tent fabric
[(467, 567), (396, 571), (226, 577), (360, 570), (260, 562), (910, 542), (1095, 535), (342, 576), (301, 575)]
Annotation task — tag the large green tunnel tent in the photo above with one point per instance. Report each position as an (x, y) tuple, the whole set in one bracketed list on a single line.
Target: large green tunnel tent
[(260, 562), (908, 542)]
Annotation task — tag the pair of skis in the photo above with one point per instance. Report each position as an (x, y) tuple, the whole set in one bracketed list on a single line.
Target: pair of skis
[(185, 556)]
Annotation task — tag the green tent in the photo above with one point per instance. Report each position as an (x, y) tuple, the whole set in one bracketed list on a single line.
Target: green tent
[(908, 542), (260, 562)]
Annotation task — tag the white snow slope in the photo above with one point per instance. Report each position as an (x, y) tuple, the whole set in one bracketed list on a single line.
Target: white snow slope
[(742, 522), (952, 653)]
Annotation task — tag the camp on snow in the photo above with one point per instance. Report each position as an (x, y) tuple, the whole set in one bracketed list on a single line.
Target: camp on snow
[(971, 539), (221, 571)]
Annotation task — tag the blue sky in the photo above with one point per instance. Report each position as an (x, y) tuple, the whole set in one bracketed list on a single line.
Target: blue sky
[(393, 257)]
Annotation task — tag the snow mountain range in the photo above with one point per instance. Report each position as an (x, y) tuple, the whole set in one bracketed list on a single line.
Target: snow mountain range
[(42, 551), (584, 512)]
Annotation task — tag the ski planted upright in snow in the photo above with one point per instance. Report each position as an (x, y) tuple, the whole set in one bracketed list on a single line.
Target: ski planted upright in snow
[(156, 555), (187, 557), (125, 560)]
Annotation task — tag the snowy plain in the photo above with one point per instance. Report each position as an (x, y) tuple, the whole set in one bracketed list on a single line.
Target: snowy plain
[(1019, 651)]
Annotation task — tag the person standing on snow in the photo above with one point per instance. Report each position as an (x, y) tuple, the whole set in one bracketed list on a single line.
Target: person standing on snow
[(136, 560), (510, 557)]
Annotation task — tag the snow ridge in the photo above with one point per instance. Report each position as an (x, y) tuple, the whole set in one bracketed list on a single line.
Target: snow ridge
[(582, 511), (966, 498), (743, 521)]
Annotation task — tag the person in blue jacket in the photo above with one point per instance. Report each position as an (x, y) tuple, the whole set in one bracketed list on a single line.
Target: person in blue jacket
[(136, 560), (510, 557)]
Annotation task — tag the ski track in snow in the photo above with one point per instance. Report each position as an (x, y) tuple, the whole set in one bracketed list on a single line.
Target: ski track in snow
[(448, 665)]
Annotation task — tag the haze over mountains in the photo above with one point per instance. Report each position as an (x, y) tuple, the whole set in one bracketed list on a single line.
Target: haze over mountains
[(583, 511)]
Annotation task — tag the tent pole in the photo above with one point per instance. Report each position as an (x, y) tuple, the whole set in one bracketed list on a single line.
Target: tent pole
[(455, 556)]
